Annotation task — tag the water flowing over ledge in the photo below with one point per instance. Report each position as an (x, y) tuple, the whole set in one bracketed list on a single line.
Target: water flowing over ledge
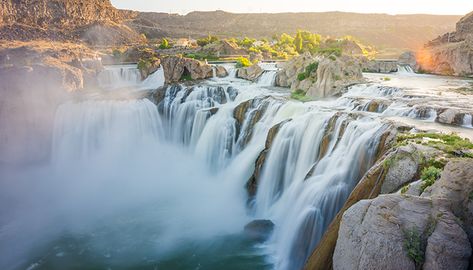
[(173, 168)]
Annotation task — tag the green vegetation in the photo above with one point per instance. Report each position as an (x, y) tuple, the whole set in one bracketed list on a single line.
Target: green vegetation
[(429, 176), (414, 246), (243, 62), (449, 143), (146, 64), (404, 189), (186, 77), (164, 44), (308, 71), (208, 40), (386, 79), (201, 56), (300, 95)]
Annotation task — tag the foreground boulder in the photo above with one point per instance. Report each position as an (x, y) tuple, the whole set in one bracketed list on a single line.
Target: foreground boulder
[(409, 232), (320, 76), (179, 68)]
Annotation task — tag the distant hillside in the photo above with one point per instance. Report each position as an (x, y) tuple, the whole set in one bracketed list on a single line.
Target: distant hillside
[(381, 30), (96, 22)]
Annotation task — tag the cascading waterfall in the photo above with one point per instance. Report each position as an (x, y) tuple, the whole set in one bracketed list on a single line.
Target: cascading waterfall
[(172, 169), (405, 69), (129, 76), (268, 78), (468, 120)]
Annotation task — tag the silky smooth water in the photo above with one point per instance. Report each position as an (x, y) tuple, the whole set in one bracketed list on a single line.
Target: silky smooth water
[(132, 184)]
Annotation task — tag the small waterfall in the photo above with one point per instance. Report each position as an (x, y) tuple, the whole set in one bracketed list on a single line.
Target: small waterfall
[(268, 78), (114, 77), (82, 129), (119, 77), (468, 121), (405, 69)]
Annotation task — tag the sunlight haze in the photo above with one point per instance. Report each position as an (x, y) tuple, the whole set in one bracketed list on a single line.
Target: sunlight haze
[(456, 7)]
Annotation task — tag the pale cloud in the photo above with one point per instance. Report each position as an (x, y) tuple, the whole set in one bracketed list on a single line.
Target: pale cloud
[(364, 6)]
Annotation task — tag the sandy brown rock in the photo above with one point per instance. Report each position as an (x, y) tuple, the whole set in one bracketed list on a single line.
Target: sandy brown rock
[(176, 67), (251, 73)]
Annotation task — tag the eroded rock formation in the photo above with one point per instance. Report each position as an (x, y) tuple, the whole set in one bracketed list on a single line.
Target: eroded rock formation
[(178, 68)]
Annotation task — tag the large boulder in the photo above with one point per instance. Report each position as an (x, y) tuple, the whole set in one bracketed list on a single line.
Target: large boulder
[(320, 76), (409, 232), (177, 68), (251, 73)]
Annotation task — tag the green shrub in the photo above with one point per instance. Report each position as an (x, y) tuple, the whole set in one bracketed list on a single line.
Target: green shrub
[(429, 176), (413, 245), (300, 95), (164, 44), (308, 71), (333, 57), (243, 62)]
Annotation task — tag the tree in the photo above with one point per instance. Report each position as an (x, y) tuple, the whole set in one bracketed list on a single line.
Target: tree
[(164, 44), (298, 42)]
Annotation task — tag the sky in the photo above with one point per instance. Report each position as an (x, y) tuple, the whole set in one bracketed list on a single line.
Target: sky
[(453, 7)]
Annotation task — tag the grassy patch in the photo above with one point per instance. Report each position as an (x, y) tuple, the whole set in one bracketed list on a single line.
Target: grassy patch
[(414, 247), (300, 95), (429, 176), (448, 143), (386, 79), (308, 71)]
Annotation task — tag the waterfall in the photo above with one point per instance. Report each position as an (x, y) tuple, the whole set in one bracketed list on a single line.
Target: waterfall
[(468, 121), (268, 78), (303, 206), (113, 77), (172, 168), (128, 76), (405, 69)]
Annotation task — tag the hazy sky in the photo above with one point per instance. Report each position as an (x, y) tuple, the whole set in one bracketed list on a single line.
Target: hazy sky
[(364, 6)]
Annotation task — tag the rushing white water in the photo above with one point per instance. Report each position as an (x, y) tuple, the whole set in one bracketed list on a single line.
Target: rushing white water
[(268, 78), (128, 76), (468, 120), (405, 69), (160, 182)]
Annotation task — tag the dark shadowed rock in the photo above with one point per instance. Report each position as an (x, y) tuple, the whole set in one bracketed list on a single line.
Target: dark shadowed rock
[(259, 230)]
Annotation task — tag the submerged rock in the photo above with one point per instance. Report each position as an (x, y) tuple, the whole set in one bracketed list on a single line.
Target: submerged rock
[(221, 71), (259, 230)]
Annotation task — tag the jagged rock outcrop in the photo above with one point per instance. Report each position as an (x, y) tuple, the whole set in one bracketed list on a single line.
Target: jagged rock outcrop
[(93, 21), (320, 75), (409, 232), (251, 73), (177, 68), (224, 47), (452, 53)]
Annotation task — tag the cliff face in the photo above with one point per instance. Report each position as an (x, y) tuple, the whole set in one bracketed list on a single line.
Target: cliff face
[(380, 30), (451, 53), (65, 20)]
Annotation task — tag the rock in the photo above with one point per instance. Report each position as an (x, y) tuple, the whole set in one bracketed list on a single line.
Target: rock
[(408, 58), (374, 233), (175, 68), (251, 73), (224, 47), (447, 116), (95, 22), (330, 77), (221, 71), (379, 66), (452, 53), (259, 230)]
